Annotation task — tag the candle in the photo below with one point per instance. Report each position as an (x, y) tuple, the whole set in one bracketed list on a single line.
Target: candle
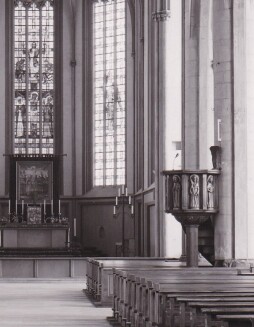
[(114, 210), (52, 207), (16, 206), (44, 206), (59, 207), (75, 227), (22, 207), (129, 199), (68, 237), (122, 189), (9, 206), (132, 209), (119, 192), (116, 200), (126, 191)]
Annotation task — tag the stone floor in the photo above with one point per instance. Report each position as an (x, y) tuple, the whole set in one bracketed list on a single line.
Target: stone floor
[(48, 303)]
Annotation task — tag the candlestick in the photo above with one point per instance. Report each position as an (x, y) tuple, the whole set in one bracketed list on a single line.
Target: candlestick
[(74, 227), (68, 237), (116, 200), (52, 207)]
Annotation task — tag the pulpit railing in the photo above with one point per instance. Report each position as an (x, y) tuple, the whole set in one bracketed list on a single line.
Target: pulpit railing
[(192, 197)]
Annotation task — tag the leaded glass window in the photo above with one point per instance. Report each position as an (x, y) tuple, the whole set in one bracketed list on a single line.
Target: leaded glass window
[(109, 92), (33, 76)]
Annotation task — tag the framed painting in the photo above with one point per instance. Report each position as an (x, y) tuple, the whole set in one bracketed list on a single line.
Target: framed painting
[(34, 214), (34, 181)]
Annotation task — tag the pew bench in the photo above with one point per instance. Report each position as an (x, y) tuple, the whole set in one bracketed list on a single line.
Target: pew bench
[(142, 304), (127, 297), (237, 320)]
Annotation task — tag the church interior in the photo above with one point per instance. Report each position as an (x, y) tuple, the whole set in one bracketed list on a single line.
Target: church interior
[(126, 151)]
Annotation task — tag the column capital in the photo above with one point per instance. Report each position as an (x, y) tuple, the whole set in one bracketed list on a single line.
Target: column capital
[(161, 16)]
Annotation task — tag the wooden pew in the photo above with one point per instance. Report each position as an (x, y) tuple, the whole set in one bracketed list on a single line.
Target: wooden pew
[(159, 307), (237, 320), (164, 295), (146, 305), (100, 279), (124, 299)]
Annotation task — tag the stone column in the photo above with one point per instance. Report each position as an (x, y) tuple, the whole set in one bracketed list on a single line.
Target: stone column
[(192, 245), (160, 16), (168, 113)]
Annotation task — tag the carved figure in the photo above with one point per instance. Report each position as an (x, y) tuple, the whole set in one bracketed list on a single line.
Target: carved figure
[(176, 192), (210, 192), (194, 192)]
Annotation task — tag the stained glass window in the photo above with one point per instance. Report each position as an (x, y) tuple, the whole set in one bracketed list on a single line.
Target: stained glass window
[(109, 92), (33, 77)]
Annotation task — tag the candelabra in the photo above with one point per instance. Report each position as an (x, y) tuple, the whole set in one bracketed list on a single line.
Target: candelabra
[(123, 207)]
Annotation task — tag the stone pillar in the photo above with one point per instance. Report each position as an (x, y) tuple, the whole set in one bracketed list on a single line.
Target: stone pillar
[(233, 71), (223, 95), (160, 16), (192, 245), (168, 113)]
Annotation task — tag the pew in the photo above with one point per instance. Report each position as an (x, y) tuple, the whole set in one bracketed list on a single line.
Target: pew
[(100, 273), (158, 292), (142, 316), (237, 320)]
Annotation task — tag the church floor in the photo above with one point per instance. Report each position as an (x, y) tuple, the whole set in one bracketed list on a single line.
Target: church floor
[(48, 303)]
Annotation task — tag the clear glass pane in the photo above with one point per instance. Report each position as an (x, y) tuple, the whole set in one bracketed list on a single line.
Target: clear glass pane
[(109, 92)]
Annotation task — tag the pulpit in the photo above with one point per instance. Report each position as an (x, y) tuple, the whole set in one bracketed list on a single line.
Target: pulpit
[(192, 197)]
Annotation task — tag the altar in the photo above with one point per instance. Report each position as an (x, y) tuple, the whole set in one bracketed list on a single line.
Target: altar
[(44, 236), (34, 222)]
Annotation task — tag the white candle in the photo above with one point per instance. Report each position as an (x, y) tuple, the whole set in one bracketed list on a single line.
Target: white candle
[(119, 192), (116, 200), (44, 206), (22, 207), (16, 207), (129, 199), (126, 191), (75, 227), (52, 207), (122, 189), (59, 207), (114, 210), (9, 206), (69, 237), (132, 209)]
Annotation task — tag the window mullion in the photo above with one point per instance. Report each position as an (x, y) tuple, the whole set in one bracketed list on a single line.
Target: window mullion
[(27, 82), (104, 98), (40, 79), (115, 93)]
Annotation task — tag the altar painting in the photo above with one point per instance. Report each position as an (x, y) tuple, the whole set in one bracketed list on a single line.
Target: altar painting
[(34, 181)]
